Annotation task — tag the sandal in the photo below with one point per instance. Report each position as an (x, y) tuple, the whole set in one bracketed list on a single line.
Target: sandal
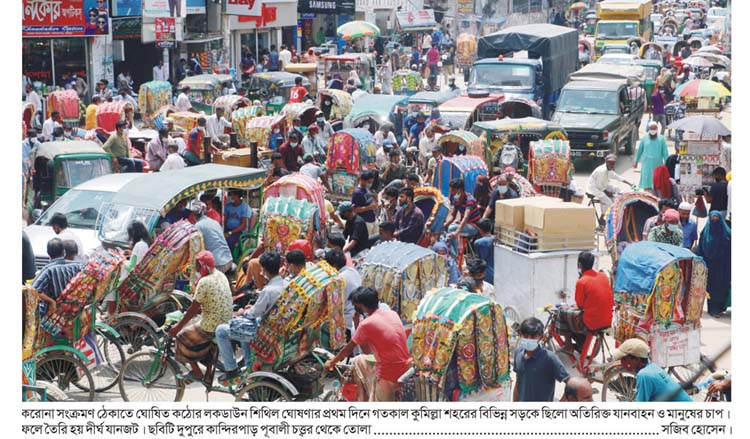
[(189, 378)]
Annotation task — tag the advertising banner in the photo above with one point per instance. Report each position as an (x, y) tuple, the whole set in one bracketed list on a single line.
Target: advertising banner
[(251, 8), (326, 6), (421, 19), (165, 31), (126, 8), (65, 18), (196, 6), (164, 8), (465, 7)]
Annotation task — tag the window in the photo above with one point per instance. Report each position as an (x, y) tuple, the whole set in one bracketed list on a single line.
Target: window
[(37, 59), (70, 57), (535, 5), (521, 6)]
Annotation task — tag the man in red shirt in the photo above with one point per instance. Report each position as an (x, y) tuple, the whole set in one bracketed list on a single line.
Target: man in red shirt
[(298, 93), (382, 333), (594, 298)]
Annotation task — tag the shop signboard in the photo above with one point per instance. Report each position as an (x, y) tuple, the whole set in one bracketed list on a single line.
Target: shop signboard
[(252, 8), (64, 18), (165, 31), (421, 19), (126, 8), (164, 8), (126, 28), (465, 7), (196, 6), (326, 7)]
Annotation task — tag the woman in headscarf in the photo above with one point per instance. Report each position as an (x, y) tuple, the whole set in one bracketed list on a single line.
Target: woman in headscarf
[(336, 83), (454, 274), (355, 77), (665, 186), (213, 301), (715, 246)]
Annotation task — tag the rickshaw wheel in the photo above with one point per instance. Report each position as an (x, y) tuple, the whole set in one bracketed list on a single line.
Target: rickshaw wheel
[(164, 385), (63, 369), (107, 373), (262, 391), (619, 384), (135, 334), (512, 322)]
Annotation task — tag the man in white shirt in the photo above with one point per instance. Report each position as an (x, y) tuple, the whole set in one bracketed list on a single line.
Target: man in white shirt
[(125, 96), (174, 160), (59, 224), (426, 142), (183, 102), (156, 150), (161, 73), (33, 97), (599, 182), (384, 133), (215, 125), (50, 124), (326, 130), (285, 58), (314, 171)]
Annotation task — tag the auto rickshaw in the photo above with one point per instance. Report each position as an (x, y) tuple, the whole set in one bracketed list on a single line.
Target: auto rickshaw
[(460, 348), (349, 152), (67, 103), (406, 82), (651, 68), (461, 112), (468, 167), (306, 113), (458, 142), (109, 113), (362, 63), (258, 129), (273, 88), (309, 71), (240, 119), (376, 110), (59, 166), (335, 105), (230, 104), (204, 90), (152, 96), (402, 273), (496, 134)]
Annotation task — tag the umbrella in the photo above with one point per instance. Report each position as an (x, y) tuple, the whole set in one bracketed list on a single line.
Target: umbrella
[(703, 125), (697, 61), (713, 49), (578, 6), (358, 29), (701, 88), (713, 57)]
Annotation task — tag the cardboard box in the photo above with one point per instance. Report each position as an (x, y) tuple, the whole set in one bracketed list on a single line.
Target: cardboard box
[(234, 157), (510, 213), (560, 219)]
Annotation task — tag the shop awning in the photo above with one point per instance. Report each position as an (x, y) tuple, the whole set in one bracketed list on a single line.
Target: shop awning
[(423, 19)]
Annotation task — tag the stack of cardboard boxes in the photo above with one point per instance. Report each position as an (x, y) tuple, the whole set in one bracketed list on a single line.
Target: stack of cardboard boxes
[(544, 224)]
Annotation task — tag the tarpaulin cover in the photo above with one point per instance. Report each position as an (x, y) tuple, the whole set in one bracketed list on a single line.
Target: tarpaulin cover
[(642, 261), (554, 44)]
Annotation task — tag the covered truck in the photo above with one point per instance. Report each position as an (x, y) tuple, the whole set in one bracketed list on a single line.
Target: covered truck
[(552, 55), (622, 22)]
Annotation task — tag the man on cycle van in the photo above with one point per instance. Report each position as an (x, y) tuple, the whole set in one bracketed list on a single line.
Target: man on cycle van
[(652, 383)]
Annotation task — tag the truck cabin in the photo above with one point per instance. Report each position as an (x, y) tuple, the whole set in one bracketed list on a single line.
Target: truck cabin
[(507, 74)]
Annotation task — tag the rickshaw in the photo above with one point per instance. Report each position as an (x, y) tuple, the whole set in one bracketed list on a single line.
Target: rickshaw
[(549, 166), (230, 104), (468, 167), (67, 103), (273, 88), (335, 105), (362, 63), (60, 166), (519, 183), (402, 273), (204, 90), (466, 52), (350, 151), (73, 350), (306, 113), (425, 101), (651, 68), (625, 220), (309, 71), (241, 117), (376, 110), (300, 187), (258, 129), (288, 353), (109, 113), (153, 287), (30, 389), (519, 108), (585, 51), (186, 120), (152, 96), (406, 82), (495, 134), (461, 112), (286, 219), (458, 142), (433, 205), (460, 348), (659, 292)]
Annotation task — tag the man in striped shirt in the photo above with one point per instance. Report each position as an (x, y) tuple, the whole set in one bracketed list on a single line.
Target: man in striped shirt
[(54, 277), (465, 205)]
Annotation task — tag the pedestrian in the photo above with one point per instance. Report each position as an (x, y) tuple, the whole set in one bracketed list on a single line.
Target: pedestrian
[(364, 202), (658, 101), (273, 58), (448, 66), (717, 193), (689, 227), (326, 130), (160, 71), (298, 93), (181, 70), (433, 58), (669, 232), (652, 383), (285, 57), (292, 152), (485, 248), (536, 368), (355, 230), (28, 146), (665, 186), (118, 147), (715, 247), (32, 97), (503, 191), (183, 101), (652, 152), (409, 218), (386, 76)]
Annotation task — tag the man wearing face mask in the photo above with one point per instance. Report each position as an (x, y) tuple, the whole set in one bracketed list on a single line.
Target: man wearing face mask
[(326, 130), (156, 150), (126, 97), (652, 383), (669, 232), (502, 191), (393, 170), (689, 227), (652, 152), (364, 203), (658, 219), (409, 218), (118, 146), (292, 152), (536, 368)]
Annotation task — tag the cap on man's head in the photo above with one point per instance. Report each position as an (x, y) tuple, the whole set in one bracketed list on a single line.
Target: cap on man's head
[(634, 346), (671, 215), (610, 158), (198, 207), (121, 124), (344, 207), (685, 206)]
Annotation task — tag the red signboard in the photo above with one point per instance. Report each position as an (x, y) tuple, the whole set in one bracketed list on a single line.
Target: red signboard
[(165, 31), (63, 18), (268, 15)]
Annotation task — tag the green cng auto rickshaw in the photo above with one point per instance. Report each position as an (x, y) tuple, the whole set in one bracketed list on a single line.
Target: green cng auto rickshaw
[(273, 89), (204, 89)]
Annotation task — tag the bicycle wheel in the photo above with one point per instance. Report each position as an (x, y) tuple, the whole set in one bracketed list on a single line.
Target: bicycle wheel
[(263, 391), (135, 334), (147, 377), (684, 373), (67, 373), (107, 372), (619, 384), (513, 323)]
